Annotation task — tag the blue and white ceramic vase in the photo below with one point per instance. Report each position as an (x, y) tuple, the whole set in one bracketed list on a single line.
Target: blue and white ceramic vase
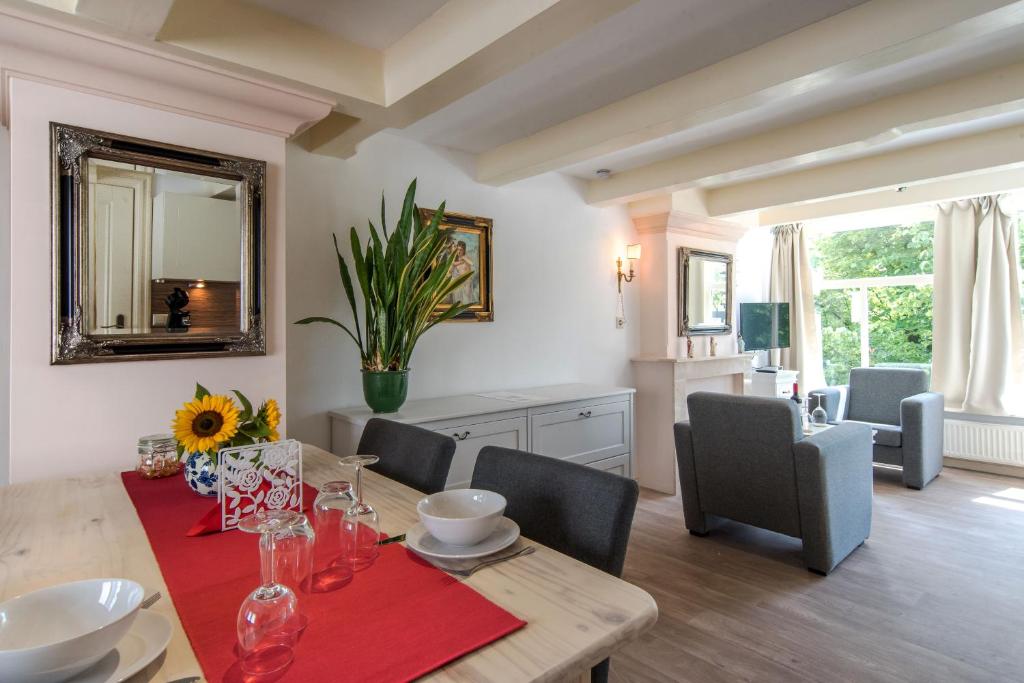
[(201, 474)]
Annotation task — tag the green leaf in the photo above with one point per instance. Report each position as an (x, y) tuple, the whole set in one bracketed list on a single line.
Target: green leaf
[(241, 439), (246, 406), (320, 319), (201, 391), (402, 278), (346, 281)]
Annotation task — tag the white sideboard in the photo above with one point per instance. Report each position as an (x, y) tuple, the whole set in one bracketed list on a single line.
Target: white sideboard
[(587, 424)]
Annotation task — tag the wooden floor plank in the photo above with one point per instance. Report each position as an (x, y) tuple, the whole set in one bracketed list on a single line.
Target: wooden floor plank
[(935, 594)]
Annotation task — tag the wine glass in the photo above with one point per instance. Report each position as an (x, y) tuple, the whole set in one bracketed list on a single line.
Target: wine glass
[(332, 566), (819, 416), (362, 523), (293, 561), (267, 619)]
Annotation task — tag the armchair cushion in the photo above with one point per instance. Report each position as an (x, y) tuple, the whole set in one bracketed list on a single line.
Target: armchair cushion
[(875, 393), (885, 435), (742, 450)]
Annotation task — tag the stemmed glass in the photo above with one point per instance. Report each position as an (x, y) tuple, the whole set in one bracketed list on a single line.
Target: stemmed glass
[(362, 523), (332, 565), (268, 619)]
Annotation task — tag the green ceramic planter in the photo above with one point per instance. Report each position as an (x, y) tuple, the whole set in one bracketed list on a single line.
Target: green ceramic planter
[(385, 391)]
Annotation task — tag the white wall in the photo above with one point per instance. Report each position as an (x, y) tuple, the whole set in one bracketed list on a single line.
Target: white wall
[(753, 265), (5, 304), (83, 418), (554, 280)]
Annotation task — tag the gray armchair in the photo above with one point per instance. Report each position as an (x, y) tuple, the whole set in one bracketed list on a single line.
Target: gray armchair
[(745, 458), (906, 416)]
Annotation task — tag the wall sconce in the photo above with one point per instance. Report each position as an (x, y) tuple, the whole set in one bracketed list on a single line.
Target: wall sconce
[(632, 254)]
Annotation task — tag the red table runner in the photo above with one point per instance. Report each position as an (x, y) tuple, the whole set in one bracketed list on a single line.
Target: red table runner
[(396, 621)]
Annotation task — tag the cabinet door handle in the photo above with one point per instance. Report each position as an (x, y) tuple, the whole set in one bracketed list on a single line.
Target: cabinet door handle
[(463, 436), (585, 413)]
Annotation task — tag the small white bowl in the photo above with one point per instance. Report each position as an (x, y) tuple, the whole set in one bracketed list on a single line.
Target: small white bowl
[(461, 517), (54, 633)]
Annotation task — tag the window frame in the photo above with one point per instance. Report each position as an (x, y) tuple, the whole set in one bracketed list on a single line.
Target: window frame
[(862, 284)]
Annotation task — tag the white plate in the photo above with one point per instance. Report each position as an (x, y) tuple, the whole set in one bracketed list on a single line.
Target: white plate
[(143, 643), (419, 540)]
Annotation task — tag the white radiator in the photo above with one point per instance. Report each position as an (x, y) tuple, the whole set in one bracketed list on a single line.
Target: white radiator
[(985, 441)]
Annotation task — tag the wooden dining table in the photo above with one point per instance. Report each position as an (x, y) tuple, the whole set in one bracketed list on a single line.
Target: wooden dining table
[(81, 527)]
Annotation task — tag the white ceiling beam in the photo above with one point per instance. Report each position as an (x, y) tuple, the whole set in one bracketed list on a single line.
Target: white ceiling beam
[(943, 189), (465, 45), (253, 37), (852, 131), (457, 31), (1002, 148), (428, 69), (861, 40)]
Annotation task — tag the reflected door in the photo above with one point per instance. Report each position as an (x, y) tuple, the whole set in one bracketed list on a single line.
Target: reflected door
[(114, 225), (119, 201)]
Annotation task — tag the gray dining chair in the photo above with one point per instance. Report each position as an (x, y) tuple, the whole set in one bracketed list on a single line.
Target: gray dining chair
[(577, 510), (408, 454)]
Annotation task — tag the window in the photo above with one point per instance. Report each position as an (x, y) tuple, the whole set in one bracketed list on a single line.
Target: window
[(875, 298), (874, 289)]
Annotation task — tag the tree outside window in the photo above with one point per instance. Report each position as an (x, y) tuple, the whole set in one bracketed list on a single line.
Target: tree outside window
[(875, 303)]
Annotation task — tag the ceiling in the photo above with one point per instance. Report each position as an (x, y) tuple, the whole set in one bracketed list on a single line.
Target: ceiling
[(376, 24), (649, 43), (745, 102)]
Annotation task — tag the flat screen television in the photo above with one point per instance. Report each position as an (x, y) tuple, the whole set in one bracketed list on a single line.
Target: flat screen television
[(764, 326)]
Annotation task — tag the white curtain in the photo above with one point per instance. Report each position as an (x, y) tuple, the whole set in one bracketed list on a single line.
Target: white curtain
[(977, 337), (791, 282)]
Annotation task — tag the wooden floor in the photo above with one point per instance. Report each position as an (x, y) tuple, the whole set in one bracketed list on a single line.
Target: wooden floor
[(935, 594)]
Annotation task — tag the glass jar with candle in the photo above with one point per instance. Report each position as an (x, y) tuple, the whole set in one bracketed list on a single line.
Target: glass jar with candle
[(158, 456)]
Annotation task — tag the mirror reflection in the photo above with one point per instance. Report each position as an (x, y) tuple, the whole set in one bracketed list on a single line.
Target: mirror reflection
[(164, 251), (707, 287), (705, 296)]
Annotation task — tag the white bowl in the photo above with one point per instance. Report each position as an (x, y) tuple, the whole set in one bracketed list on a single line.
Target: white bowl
[(461, 516), (52, 634)]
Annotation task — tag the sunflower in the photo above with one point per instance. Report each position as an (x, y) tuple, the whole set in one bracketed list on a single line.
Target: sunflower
[(205, 422), (271, 414)]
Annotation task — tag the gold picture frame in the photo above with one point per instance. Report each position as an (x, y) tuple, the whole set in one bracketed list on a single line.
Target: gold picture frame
[(476, 233)]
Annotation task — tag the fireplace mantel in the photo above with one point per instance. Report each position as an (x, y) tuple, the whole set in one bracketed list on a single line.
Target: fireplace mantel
[(662, 385)]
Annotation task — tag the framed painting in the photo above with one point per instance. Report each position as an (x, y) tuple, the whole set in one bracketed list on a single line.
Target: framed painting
[(471, 237)]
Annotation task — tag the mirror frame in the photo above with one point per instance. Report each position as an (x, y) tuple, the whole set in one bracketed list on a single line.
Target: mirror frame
[(685, 253), (70, 149)]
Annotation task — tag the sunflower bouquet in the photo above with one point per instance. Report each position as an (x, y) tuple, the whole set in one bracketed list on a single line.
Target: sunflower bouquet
[(210, 422)]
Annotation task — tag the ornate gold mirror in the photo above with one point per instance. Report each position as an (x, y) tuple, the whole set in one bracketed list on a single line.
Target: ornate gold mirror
[(158, 251)]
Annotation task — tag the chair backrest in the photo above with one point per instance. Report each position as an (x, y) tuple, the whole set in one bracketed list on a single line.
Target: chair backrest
[(577, 510), (743, 458), (875, 393), (408, 454)]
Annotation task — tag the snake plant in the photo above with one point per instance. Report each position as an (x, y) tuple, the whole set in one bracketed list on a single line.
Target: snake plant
[(402, 279)]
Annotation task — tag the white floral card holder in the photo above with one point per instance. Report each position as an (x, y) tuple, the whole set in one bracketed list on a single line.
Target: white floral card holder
[(264, 476)]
